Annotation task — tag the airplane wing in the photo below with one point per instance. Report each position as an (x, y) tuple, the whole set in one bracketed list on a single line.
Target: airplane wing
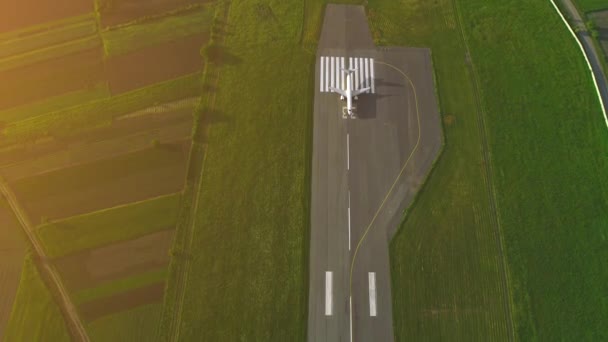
[(360, 91), (339, 91)]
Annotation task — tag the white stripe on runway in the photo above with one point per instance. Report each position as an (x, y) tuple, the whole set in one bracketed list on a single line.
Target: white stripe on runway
[(322, 74), (362, 73), (372, 294), (371, 69), (332, 71), (367, 74), (356, 66), (342, 76), (326, 74), (328, 294), (349, 220), (338, 72)]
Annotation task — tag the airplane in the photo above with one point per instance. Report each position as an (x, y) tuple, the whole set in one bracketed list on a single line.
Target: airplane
[(349, 93)]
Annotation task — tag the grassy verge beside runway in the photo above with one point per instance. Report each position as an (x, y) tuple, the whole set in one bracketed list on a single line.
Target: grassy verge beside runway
[(129, 38), (100, 112), (110, 225), (254, 194), (139, 324), (444, 260), (35, 304), (592, 5), (549, 147)]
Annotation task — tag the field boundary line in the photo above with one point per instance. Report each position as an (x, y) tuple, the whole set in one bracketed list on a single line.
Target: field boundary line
[(487, 176), (580, 45)]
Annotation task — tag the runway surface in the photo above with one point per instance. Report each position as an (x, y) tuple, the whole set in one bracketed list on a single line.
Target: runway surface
[(365, 173)]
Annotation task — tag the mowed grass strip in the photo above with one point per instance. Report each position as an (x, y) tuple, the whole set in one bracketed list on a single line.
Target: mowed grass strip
[(249, 249), (18, 42), (35, 316), (100, 112), (116, 286), (592, 5), (73, 98), (444, 259), (138, 324), (549, 147), (109, 225), (124, 39)]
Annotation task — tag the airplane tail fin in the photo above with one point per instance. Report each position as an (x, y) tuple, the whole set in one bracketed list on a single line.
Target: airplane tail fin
[(348, 71)]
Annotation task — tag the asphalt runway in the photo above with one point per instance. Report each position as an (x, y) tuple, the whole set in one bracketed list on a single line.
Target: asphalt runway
[(365, 173)]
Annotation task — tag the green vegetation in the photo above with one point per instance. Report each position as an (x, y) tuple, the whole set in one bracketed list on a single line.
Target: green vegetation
[(18, 42), (100, 112), (122, 285), (139, 324), (53, 51), (35, 315), (74, 98), (253, 202), (125, 39), (109, 225), (444, 260), (549, 143), (592, 5)]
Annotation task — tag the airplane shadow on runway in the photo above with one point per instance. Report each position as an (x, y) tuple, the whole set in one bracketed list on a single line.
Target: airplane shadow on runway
[(366, 105)]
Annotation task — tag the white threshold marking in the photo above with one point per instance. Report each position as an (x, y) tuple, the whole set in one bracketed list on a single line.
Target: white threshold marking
[(372, 294), (328, 294), (322, 74), (332, 74), (349, 220), (371, 69), (350, 310)]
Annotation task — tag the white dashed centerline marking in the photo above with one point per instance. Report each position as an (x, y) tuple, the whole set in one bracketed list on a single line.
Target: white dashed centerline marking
[(372, 294), (349, 220), (328, 294)]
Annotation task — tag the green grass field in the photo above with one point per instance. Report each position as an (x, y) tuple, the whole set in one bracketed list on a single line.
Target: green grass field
[(592, 5), (100, 112), (109, 225), (253, 204), (549, 143), (444, 260), (124, 39), (139, 324), (55, 103), (35, 316)]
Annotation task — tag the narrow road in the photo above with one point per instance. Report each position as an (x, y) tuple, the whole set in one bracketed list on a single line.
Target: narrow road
[(593, 55), (75, 326)]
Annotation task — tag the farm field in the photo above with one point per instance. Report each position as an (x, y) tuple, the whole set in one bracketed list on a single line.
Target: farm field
[(12, 253), (257, 152), (549, 162), (83, 188), (445, 264), (127, 11), (35, 304), (35, 14), (140, 68), (110, 225), (139, 324), (154, 32)]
